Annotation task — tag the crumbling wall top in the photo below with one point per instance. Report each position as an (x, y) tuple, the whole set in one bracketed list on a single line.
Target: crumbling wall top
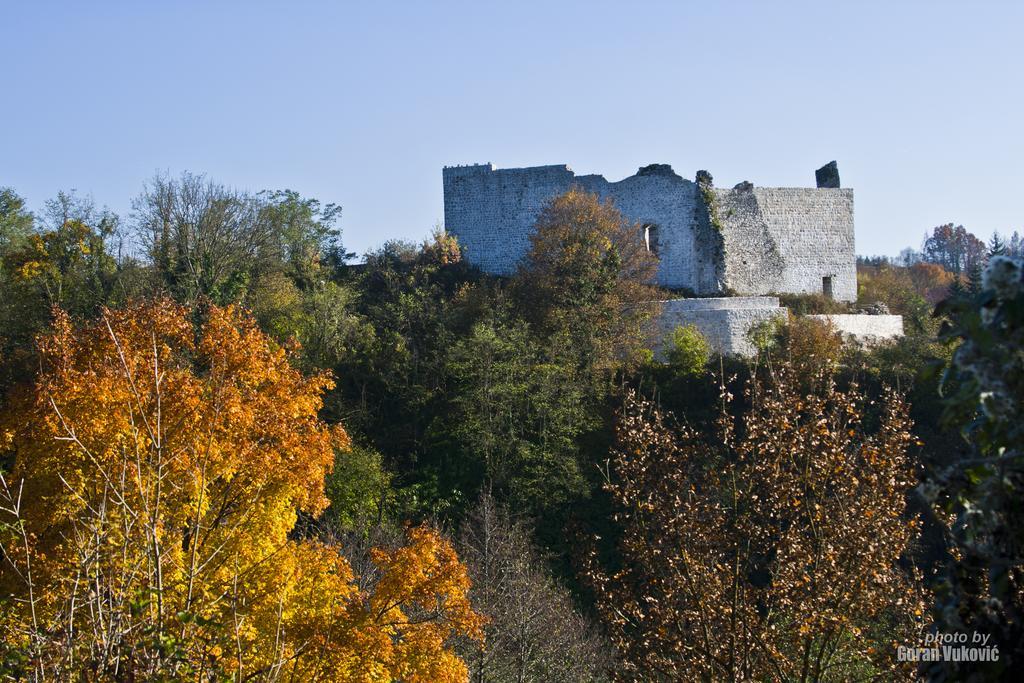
[(827, 175)]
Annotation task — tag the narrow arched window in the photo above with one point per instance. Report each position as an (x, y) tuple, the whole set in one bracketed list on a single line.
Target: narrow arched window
[(651, 237)]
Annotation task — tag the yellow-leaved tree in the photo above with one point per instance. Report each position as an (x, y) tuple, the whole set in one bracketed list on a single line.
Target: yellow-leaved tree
[(157, 468)]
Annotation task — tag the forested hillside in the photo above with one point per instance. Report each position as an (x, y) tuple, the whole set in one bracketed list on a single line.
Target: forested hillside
[(231, 451)]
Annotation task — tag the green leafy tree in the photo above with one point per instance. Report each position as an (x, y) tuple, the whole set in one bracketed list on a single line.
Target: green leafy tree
[(64, 259), (304, 240), (331, 330), (409, 304), (687, 350), (359, 489), (16, 222), (517, 415), (908, 291)]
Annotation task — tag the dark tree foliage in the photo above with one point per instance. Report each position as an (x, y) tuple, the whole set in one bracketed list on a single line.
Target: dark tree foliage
[(411, 303), (457, 390), (518, 410), (982, 492)]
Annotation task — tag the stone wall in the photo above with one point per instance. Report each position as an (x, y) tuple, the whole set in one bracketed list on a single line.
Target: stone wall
[(788, 240), (866, 329), (725, 322), (758, 240), (492, 213)]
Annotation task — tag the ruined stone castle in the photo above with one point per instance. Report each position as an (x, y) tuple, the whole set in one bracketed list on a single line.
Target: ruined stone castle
[(729, 247)]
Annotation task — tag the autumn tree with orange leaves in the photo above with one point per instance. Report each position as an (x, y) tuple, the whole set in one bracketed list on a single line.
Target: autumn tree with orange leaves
[(588, 280), (768, 553), (158, 470)]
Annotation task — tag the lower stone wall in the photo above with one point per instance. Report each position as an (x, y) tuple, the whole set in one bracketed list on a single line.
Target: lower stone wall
[(725, 322), (866, 329)]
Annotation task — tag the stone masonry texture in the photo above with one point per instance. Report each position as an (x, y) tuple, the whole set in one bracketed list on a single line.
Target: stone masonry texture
[(788, 240), (865, 329), (725, 322), (746, 241)]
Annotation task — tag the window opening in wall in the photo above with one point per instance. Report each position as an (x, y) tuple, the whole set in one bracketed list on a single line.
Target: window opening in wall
[(826, 286), (651, 237)]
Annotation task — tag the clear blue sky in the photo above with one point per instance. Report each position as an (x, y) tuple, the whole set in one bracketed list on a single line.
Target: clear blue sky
[(363, 103)]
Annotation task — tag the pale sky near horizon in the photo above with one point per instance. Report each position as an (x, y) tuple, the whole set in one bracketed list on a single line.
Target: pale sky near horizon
[(361, 104)]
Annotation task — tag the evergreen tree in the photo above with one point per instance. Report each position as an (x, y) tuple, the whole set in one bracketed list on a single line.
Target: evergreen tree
[(957, 290), (974, 280), (996, 246), (1015, 247)]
